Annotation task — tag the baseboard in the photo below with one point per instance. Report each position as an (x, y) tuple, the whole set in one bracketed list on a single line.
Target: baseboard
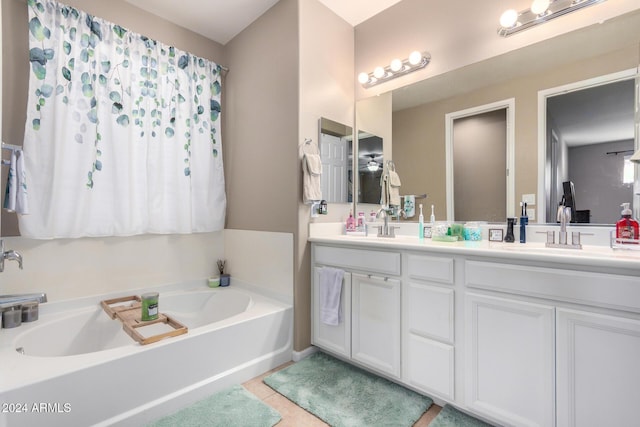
[(297, 356)]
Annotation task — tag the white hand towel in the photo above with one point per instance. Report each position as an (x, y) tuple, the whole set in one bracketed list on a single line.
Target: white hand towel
[(312, 171), (12, 185), (410, 205), (22, 205), (330, 294), (394, 188), (15, 197)]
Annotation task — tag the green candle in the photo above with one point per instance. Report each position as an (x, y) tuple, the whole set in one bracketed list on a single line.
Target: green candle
[(149, 306)]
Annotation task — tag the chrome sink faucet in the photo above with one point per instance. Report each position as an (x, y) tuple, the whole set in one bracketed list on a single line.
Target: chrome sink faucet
[(10, 255), (564, 217), (385, 230)]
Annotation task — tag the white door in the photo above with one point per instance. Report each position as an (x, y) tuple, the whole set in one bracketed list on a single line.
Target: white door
[(333, 151), (336, 339), (375, 336), (509, 349), (598, 372)]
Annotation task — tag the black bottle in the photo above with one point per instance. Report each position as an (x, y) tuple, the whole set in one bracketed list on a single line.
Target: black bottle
[(509, 238)]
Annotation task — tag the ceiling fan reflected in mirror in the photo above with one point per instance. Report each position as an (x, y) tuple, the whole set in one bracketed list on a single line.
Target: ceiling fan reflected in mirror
[(372, 164)]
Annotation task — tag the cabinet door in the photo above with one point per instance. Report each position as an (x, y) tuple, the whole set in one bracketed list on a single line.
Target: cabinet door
[(598, 372), (510, 360), (336, 339), (375, 336)]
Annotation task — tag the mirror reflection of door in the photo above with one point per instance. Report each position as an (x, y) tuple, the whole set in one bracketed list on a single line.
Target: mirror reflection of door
[(479, 165), (370, 167), (479, 153), (594, 138), (336, 152)]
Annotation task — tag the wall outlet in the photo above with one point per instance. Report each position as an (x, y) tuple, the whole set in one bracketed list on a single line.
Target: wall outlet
[(529, 199), (531, 213)]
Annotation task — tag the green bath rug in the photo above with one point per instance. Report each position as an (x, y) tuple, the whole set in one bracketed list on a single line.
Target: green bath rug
[(451, 417), (345, 396), (233, 407)]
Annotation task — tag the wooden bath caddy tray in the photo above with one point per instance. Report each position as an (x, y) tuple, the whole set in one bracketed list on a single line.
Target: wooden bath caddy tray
[(128, 310)]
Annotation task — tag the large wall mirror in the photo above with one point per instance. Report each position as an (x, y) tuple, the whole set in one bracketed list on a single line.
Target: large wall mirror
[(587, 131), (336, 151), (417, 143)]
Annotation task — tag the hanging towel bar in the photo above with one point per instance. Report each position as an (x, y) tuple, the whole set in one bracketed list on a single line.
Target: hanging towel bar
[(418, 196), (10, 147)]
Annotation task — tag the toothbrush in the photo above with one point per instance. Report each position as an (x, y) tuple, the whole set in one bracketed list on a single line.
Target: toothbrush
[(432, 219)]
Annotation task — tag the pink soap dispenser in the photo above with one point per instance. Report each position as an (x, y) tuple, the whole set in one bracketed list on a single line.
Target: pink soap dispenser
[(351, 222)]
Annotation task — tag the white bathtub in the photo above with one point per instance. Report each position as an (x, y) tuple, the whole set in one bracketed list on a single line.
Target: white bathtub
[(80, 368)]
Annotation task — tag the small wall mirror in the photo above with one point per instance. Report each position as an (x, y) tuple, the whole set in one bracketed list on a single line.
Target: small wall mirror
[(336, 151), (370, 167)]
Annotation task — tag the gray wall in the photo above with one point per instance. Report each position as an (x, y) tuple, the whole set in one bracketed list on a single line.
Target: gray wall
[(597, 177), (479, 165)]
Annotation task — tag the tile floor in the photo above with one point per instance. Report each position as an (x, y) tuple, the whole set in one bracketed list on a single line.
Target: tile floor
[(295, 416)]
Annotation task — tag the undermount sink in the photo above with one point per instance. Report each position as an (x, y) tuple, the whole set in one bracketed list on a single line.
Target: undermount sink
[(540, 248)]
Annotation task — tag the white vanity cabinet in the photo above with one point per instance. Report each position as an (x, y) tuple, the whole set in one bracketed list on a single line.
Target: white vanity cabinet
[(509, 349), (370, 331), (517, 339), (428, 319), (598, 378)]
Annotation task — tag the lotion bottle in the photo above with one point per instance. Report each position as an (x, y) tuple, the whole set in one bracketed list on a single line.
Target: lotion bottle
[(421, 224), (351, 222), (627, 227)]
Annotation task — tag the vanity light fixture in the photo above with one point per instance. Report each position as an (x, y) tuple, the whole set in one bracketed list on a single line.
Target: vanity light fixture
[(396, 68), (373, 166), (541, 11)]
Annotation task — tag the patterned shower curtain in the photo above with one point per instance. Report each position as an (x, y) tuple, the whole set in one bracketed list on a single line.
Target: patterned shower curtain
[(122, 134)]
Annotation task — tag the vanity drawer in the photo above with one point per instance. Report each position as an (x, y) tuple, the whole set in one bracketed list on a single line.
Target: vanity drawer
[(590, 288), (439, 269), (381, 262)]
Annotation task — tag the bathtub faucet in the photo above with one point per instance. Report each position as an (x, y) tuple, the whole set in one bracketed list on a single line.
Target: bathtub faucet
[(10, 255)]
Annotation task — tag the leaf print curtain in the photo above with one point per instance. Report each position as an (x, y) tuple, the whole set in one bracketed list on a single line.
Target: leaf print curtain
[(122, 134)]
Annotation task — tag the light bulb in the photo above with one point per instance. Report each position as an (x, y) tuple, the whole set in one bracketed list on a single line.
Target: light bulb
[(378, 72), (396, 65), (363, 78), (415, 58), (509, 18), (540, 6)]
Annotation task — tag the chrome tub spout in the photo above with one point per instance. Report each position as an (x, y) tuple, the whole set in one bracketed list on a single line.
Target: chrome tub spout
[(10, 255)]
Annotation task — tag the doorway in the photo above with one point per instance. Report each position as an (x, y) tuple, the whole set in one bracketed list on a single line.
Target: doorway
[(479, 161)]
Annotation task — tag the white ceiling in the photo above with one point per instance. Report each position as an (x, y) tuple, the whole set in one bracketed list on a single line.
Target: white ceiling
[(221, 20)]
